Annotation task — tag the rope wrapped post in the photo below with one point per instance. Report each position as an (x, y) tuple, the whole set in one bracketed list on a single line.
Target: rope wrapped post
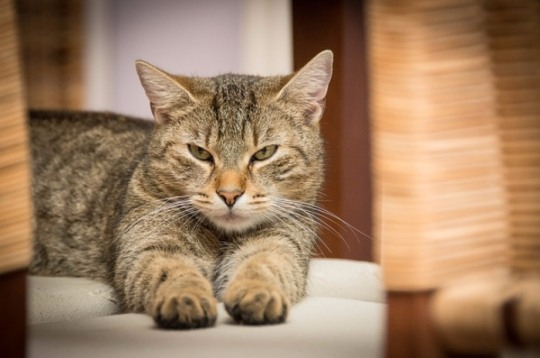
[(441, 204), (514, 38), (507, 312), (15, 208), (455, 100)]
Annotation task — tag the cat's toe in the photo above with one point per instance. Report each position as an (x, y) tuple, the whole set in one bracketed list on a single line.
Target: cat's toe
[(185, 310), (255, 303)]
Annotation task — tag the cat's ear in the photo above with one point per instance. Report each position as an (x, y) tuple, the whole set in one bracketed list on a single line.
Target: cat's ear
[(307, 88), (164, 90)]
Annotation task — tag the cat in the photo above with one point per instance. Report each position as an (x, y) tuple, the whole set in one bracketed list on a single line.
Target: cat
[(215, 199)]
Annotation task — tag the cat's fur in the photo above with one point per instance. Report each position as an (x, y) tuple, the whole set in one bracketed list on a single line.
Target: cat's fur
[(171, 226)]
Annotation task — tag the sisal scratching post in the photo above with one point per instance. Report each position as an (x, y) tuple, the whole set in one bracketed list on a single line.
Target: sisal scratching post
[(456, 127), (508, 311), (514, 32), (15, 202), (15, 208), (440, 208), (514, 38)]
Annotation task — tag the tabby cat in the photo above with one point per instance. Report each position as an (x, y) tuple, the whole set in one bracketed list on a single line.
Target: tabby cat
[(215, 198)]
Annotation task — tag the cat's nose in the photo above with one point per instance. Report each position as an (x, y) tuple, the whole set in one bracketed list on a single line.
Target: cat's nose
[(229, 196)]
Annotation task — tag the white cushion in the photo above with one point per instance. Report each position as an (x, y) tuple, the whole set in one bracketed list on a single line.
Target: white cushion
[(342, 316), (346, 279), (325, 327), (53, 299)]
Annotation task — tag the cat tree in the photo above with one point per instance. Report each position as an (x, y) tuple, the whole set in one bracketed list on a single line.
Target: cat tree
[(456, 123)]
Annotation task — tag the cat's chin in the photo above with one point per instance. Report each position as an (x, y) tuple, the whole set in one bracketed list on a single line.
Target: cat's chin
[(233, 223)]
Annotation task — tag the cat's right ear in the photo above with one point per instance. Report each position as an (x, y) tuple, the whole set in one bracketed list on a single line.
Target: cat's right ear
[(307, 88), (164, 91)]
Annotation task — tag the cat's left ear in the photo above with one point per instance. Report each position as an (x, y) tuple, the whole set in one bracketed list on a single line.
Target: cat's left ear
[(307, 88), (165, 92)]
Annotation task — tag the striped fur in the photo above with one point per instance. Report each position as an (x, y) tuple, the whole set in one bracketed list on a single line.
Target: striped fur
[(213, 200)]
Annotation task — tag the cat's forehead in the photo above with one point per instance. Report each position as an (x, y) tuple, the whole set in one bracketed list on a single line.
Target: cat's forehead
[(235, 97), (240, 103), (232, 91), (237, 108), (236, 82)]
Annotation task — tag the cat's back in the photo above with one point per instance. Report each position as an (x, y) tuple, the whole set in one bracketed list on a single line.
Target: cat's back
[(81, 163), (51, 130), (77, 146)]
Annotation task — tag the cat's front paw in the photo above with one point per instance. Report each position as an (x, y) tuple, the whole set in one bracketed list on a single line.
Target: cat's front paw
[(255, 302), (184, 308)]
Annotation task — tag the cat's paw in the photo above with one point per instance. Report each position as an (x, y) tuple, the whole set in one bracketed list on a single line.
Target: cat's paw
[(185, 308), (255, 302)]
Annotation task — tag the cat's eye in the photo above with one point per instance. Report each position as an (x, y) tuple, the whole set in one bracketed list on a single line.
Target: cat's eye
[(265, 153), (200, 153)]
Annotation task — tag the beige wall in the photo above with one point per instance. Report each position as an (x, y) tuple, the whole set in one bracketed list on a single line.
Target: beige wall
[(193, 37)]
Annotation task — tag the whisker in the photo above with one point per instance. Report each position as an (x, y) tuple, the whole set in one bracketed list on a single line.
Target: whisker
[(176, 204), (295, 218), (170, 220), (326, 214), (332, 230), (312, 214)]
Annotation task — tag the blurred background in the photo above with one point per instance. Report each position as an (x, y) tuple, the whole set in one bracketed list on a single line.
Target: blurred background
[(96, 42), (80, 54)]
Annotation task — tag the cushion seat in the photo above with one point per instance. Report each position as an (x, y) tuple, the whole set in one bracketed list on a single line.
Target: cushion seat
[(342, 316)]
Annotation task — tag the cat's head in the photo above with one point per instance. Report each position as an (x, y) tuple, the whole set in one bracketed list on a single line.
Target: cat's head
[(240, 150)]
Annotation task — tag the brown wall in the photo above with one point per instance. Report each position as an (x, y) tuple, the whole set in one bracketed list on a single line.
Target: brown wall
[(339, 26)]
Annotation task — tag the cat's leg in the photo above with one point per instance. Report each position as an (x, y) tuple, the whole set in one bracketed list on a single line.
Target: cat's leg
[(169, 281), (263, 277)]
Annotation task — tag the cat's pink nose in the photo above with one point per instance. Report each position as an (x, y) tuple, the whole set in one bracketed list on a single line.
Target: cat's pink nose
[(229, 196)]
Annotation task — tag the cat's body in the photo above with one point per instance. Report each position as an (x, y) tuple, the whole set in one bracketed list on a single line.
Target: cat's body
[(214, 199), (75, 220)]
